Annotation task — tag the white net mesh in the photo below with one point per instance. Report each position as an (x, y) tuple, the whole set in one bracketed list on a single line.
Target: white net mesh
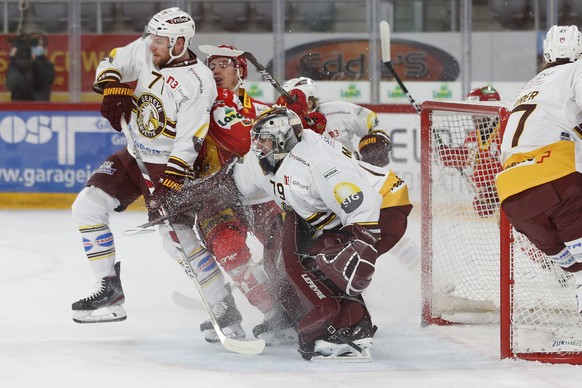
[(465, 231), (463, 283)]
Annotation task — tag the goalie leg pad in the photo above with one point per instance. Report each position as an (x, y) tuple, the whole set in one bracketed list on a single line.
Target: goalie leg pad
[(348, 258)]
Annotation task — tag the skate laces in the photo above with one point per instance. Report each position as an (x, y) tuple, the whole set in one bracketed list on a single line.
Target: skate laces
[(95, 295), (220, 309)]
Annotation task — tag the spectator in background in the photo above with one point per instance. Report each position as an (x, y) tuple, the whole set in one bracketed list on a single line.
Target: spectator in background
[(30, 74)]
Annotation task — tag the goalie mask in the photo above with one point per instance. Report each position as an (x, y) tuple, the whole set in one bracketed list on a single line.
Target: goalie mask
[(274, 134), (375, 148), (562, 42), (172, 23)]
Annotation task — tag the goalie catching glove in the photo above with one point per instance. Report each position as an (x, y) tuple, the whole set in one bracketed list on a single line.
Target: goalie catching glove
[(117, 103), (348, 258)]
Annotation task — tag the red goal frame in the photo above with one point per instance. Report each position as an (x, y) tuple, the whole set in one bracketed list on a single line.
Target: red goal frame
[(506, 278)]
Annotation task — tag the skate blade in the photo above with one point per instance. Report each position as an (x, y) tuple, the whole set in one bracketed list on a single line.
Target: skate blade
[(114, 313), (344, 353), (233, 332)]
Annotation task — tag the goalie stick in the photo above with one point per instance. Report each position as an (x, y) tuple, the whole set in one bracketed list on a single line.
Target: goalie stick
[(234, 345), (385, 46), (226, 52)]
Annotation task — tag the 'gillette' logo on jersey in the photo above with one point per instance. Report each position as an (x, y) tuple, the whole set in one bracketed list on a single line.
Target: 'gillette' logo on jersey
[(313, 287), (329, 173), (348, 195), (151, 118)]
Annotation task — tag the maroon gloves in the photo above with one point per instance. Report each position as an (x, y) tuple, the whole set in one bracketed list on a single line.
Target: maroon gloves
[(349, 258), (166, 193), (117, 102)]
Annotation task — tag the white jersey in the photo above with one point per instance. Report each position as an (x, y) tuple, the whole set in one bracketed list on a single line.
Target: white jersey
[(542, 140), (347, 123), (173, 103), (546, 110), (320, 181)]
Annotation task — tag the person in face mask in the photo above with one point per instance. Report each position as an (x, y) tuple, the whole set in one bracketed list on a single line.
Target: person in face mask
[(31, 74)]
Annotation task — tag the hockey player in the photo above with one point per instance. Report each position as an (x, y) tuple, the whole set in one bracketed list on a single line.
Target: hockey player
[(479, 155), (345, 122), (340, 215), (375, 148), (224, 225), (168, 115), (540, 187)]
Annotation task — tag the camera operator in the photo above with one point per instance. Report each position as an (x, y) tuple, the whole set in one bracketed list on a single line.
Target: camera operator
[(30, 74)]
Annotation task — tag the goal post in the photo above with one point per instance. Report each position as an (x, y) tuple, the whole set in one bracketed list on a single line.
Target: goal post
[(476, 269)]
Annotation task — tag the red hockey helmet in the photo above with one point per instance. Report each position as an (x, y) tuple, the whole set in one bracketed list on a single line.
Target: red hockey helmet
[(239, 62), (486, 93)]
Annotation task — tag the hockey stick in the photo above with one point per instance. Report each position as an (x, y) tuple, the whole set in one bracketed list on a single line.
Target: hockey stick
[(226, 52), (234, 345), (385, 46)]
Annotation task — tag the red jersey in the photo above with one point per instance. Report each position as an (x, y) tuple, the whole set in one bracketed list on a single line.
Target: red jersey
[(480, 152), (231, 120)]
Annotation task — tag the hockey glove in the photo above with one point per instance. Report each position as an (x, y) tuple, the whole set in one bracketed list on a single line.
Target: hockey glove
[(298, 105), (348, 259), (117, 103), (316, 121), (166, 193)]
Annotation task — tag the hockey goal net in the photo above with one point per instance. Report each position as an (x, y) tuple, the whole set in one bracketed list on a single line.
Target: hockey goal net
[(476, 268)]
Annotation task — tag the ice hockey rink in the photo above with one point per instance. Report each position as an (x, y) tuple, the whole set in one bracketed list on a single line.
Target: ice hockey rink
[(43, 270)]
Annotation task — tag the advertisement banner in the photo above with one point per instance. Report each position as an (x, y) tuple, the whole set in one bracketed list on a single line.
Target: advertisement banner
[(53, 150)]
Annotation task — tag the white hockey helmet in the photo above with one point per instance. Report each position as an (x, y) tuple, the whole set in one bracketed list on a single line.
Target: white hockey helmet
[(306, 85), (274, 134), (172, 23), (563, 42)]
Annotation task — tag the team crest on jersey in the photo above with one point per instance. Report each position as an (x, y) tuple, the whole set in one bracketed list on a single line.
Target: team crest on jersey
[(348, 195), (151, 117)]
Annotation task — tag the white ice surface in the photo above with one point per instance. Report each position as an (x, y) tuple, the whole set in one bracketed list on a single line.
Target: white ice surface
[(43, 270)]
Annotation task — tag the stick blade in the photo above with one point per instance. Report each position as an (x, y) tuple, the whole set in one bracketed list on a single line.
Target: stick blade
[(385, 40), (250, 348), (137, 230), (220, 51)]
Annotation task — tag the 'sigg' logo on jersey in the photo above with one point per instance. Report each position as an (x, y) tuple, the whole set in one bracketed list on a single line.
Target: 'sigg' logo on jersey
[(348, 195), (151, 118)]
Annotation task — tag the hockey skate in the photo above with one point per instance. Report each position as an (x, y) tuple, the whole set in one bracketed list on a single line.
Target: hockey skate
[(229, 319), (278, 329), (105, 305), (350, 344)]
